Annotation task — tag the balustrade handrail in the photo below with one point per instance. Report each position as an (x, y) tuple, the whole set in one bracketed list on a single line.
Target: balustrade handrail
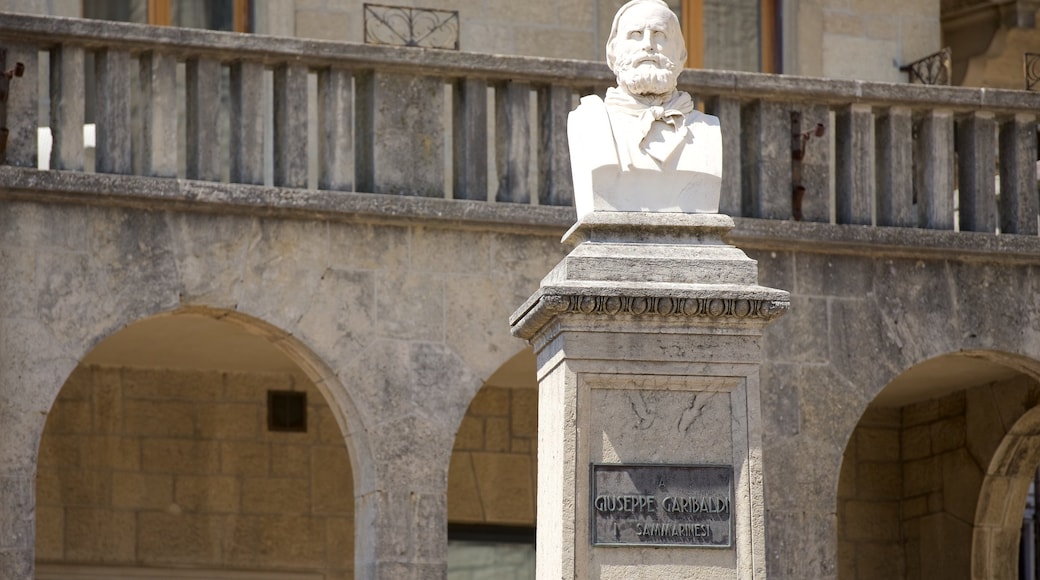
[(45, 32), (897, 155)]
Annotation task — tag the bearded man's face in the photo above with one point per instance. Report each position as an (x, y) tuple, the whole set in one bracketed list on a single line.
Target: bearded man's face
[(646, 46), (642, 74)]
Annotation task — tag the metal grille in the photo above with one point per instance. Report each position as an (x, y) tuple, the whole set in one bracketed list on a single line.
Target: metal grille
[(934, 69), (287, 411), (1031, 64), (404, 26)]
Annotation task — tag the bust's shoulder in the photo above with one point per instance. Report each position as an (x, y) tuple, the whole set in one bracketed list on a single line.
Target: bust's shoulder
[(590, 104), (591, 101), (590, 112), (698, 118)]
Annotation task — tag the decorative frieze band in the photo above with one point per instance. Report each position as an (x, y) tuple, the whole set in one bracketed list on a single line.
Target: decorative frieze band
[(761, 309), (665, 306)]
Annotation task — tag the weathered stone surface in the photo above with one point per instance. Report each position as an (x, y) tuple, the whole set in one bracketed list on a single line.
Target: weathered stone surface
[(410, 305), (177, 538), (209, 253), (331, 482), (207, 493), (504, 483), (141, 491), (99, 535), (780, 401), (809, 553), (180, 455), (275, 495), (341, 314), (462, 486), (283, 269)]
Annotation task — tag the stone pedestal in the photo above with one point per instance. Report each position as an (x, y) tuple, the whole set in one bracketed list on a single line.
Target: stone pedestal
[(649, 428)]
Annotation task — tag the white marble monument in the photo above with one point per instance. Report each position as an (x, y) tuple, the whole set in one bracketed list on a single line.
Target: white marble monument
[(648, 337), (645, 147)]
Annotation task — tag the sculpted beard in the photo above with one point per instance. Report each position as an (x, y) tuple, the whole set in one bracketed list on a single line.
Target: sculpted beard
[(654, 77)]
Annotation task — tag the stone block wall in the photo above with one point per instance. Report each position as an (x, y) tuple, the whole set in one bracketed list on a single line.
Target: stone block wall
[(869, 492), (559, 29), (941, 483), (853, 39), (171, 468), (864, 40), (912, 479), (493, 472)]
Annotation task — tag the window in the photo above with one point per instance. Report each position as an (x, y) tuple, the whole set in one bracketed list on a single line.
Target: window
[(89, 572), (730, 34), (499, 552), (229, 15)]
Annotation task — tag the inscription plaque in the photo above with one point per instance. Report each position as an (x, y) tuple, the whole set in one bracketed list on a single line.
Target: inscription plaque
[(662, 505)]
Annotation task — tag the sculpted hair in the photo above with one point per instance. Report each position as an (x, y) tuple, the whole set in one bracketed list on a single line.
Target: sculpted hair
[(611, 58)]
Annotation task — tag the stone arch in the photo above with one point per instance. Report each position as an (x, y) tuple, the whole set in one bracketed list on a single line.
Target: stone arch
[(340, 421), (324, 378), (493, 469), (493, 473), (998, 517), (928, 464), (492, 479)]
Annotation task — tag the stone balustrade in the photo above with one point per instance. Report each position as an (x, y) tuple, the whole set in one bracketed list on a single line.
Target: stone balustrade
[(431, 123)]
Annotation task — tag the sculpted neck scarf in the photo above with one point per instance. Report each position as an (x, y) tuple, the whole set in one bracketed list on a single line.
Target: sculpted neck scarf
[(672, 111)]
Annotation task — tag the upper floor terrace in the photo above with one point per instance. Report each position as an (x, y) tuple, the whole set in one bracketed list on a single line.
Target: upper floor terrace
[(211, 119)]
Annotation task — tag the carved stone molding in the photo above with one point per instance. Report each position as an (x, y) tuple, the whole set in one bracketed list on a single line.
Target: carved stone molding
[(666, 306), (719, 308)]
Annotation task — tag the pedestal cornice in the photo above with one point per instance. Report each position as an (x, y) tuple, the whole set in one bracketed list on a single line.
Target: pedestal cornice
[(720, 303), (602, 279)]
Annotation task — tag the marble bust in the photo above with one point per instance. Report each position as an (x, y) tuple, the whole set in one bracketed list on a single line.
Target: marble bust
[(644, 147)]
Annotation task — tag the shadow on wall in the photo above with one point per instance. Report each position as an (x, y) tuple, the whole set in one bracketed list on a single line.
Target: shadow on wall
[(160, 453), (934, 478)]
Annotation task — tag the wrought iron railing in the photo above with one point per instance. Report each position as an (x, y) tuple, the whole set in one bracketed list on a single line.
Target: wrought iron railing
[(417, 27), (934, 69)]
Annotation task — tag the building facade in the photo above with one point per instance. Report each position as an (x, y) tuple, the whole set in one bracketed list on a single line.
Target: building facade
[(253, 322)]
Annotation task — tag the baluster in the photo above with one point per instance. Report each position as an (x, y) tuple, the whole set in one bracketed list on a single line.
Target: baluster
[(816, 164), (728, 112), (247, 123), (976, 153), (290, 126), (513, 136), (21, 117), (554, 159), (854, 126), (400, 134), (336, 124), (67, 112), (203, 115), (158, 81), (470, 139), (112, 114), (766, 157), (895, 175), (934, 170), (1018, 195)]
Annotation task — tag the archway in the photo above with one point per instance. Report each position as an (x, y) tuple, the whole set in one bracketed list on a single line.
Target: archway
[(998, 519), (492, 481), (922, 471), (197, 442)]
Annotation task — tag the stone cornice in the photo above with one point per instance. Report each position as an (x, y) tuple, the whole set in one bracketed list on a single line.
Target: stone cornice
[(159, 194), (718, 304), (883, 242), (185, 195)]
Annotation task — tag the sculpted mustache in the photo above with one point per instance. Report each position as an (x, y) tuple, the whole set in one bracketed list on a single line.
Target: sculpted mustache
[(660, 60)]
